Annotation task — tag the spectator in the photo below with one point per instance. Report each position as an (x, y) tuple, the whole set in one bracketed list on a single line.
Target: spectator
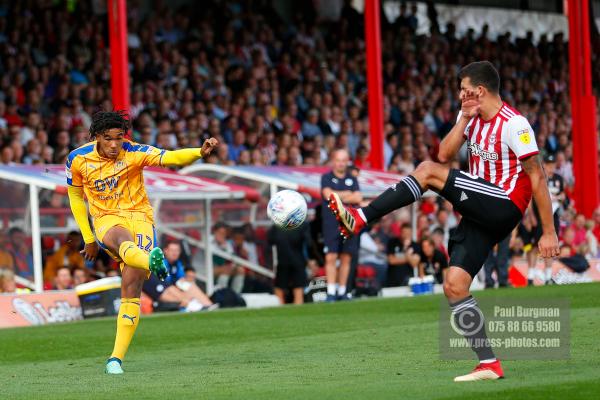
[(191, 276), (252, 282), (403, 257), (80, 276), (172, 251), (186, 295), (580, 230), (33, 152), (237, 146), (372, 253), (438, 237), (568, 240), (68, 254), (226, 273), (432, 261), (310, 128), (6, 258), (21, 253), (32, 123), (596, 228), (243, 248), (498, 260), (63, 279), (7, 155), (7, 282)]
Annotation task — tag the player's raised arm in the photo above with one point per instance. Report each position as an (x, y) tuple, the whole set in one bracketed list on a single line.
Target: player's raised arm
[(183, 157), (522, 142), (451, 144), (548, 243)]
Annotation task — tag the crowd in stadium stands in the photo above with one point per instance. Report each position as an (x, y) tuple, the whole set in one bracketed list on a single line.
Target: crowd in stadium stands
[(273, 93)]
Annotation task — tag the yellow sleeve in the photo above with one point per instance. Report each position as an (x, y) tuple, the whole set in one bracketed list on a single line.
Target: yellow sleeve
[(181, 157), (80, 213)]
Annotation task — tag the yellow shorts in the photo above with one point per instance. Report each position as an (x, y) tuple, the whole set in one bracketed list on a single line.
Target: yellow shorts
[(143, 233)]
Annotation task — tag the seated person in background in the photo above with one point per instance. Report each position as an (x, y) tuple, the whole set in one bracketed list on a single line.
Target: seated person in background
[(225, 272), (242, 247), (20, 250), (7, 281), (190, 275), (371, 252), (63, 279), (250, 281), (187, 295), (438, 238), (433, 261), (403, 257), (80, 276), (67, 254), (6, 259), (172, 250), (224, 269)]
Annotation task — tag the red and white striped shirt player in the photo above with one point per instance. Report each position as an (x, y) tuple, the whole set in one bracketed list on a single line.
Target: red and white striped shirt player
[(495, 149), (504, 173)]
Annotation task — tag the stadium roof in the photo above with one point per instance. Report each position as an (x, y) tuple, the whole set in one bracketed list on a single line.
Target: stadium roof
[(160, 183)]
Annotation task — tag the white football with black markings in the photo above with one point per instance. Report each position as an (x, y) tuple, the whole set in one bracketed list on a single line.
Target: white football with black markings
[(287, 209)]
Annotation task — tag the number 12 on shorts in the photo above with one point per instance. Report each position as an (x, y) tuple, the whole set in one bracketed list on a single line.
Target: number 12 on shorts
[(140, 242)]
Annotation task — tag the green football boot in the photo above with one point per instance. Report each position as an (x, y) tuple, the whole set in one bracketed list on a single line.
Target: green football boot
[(157, 264)]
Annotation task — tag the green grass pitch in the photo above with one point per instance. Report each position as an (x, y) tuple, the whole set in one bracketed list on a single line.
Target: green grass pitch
[(372, 349)]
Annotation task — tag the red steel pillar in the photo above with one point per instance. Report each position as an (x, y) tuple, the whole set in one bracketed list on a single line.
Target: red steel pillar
[(119, 60), (583, 110), (374, 82)]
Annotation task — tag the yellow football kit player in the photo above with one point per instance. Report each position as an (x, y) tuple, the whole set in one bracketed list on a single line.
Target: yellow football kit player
[(109, 171)]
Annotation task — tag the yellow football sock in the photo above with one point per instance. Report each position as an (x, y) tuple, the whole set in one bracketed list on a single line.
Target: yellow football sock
[(133, 256), (127, 322)]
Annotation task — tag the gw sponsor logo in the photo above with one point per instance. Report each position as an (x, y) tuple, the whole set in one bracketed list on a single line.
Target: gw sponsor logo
[(476, 150), (110, 183)]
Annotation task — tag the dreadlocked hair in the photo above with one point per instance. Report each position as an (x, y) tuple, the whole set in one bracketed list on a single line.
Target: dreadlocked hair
[(103, 121)]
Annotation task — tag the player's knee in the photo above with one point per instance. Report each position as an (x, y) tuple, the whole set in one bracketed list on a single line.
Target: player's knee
[(426, 170), (453, 290)]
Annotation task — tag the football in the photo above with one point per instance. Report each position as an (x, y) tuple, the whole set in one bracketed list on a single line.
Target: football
[(287, 209)]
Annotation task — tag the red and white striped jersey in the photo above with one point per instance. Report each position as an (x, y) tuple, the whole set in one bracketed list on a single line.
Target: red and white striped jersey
[(495, 149)]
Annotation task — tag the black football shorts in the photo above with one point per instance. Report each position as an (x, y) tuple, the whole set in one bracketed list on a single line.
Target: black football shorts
[(488, 216)]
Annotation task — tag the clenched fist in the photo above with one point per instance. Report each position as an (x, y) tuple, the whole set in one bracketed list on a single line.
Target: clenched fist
[(208, 146)]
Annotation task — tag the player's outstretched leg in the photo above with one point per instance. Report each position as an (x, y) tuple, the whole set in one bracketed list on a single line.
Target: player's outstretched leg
[(469, 319), (135, 257), (410, 189)]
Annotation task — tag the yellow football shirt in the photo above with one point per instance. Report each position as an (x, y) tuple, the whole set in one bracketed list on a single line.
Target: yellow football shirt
[(114, 187)]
